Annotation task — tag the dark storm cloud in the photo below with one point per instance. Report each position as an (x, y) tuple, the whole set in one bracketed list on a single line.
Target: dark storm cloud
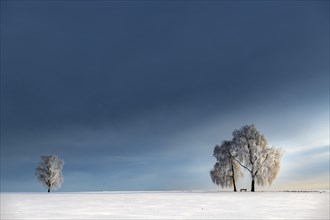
[(91, 79), (102, 63)]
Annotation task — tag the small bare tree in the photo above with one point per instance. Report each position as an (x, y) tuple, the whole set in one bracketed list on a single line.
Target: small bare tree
[(49, 172), (226, 170)]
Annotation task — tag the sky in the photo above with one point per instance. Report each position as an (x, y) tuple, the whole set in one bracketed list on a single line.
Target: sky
[(134, 95)]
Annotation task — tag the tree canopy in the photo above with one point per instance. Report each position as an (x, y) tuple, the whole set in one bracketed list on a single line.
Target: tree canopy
[(249, 149), (49, 172)]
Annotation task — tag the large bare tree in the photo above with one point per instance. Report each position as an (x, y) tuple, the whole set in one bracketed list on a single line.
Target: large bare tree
[(253, 153), (49, 172)]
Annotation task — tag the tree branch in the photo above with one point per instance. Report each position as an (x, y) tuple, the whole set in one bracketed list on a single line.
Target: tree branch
[(261, 165), (265, 160), (248, 146), (242, 164)]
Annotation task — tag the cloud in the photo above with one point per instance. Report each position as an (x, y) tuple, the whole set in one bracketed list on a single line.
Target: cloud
[(152, 89)]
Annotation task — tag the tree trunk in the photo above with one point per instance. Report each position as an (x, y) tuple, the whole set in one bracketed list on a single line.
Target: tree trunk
[(234, 184), (232, 168), (49, 185), (252, 186)]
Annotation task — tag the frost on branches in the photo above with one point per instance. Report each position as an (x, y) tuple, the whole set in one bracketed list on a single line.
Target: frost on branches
[(49, 172), (226, 170), (249, 148)]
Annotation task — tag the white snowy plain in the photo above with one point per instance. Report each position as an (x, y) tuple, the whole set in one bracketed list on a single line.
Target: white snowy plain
[(166, 205)]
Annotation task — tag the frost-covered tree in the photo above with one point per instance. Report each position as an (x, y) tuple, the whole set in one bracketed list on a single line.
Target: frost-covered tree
[(49, 172), (253, 153), (226, 170)]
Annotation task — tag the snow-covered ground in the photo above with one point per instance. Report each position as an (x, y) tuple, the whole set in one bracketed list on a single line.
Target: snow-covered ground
[(166, 205)]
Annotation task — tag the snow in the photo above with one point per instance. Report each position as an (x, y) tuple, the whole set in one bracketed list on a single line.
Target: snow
[(166, 205)]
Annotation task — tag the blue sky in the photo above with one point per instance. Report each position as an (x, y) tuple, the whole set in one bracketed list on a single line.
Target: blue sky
[(134, 95)]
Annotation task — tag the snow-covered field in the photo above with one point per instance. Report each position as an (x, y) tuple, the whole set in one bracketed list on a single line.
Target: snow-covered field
[(166, 205)]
